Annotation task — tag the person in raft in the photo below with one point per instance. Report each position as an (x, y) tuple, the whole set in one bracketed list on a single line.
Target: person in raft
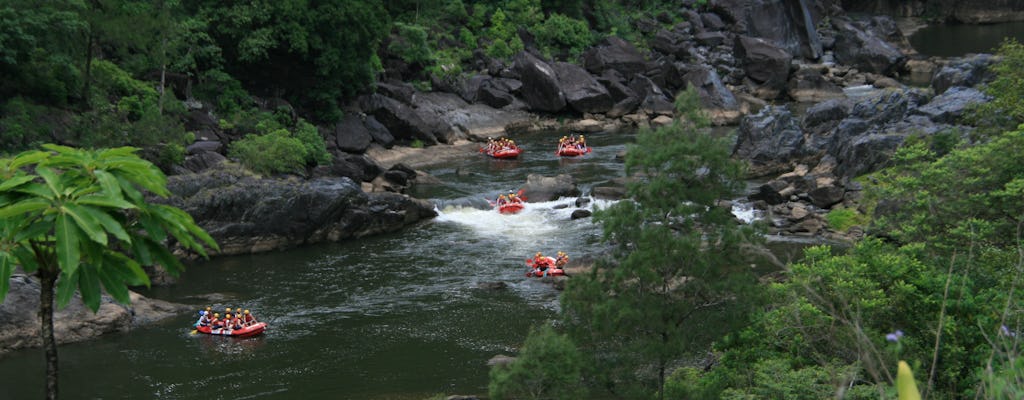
[(205, 317), (561, 259), (248, 319), (513, 198), (540, 262)]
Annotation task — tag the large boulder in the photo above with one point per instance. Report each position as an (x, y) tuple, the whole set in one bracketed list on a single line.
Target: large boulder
[(764, 62), (351, 135), (245, 214), (19, 316), (948, 107), (582, 91), (614, 53), (475, 121), (400, 120), (964, 71), (547, 188), (860, 45), (541, 90), (653, 99), (808, 85), (771, 140), (718, 100)]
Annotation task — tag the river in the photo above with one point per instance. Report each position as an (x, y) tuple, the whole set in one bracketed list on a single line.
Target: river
[(399, 316)]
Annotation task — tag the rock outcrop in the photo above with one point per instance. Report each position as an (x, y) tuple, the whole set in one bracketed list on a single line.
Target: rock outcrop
[(19, 316), (247, 214)]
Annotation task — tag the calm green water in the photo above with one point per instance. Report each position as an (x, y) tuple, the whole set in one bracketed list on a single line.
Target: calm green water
[(391, 317), (958, 40)]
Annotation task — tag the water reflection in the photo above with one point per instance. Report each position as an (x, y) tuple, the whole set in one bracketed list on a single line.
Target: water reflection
[(956, 40)]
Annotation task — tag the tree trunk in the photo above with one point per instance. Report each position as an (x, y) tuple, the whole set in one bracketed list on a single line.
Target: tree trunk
[(47, 278), (87, 85)]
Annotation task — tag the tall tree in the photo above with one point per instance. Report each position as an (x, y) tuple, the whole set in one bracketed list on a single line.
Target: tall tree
[(675, 267), (80, 221), (310, 52)]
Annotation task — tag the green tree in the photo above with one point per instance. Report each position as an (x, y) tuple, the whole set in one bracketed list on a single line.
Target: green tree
[(1005, 111), (79, 219), (676, 267), (310, 53), (548, 367)]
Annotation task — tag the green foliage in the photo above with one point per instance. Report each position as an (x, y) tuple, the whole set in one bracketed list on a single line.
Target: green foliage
[(676, 260), (23, 125), (82, 214), (314, 53), (969, 195), (560, 31), (1005, 111), (410, 44), (37, 59), (270, 153), (548, 367), (842, 219), (315, 149), (505, 42), (226, 92)]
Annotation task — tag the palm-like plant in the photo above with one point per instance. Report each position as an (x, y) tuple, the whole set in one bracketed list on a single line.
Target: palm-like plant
[(79, 220)]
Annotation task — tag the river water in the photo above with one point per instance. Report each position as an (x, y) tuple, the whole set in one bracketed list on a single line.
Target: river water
[(400, 316)]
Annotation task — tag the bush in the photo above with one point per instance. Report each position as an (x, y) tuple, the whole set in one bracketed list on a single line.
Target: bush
[(842, 219), (548, 367), (560, 31), (22, 126), (274, 152), (410, 44)]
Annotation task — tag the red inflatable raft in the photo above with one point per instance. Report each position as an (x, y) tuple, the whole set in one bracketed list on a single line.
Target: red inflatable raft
[(537, 273), (572, 151), (510, 208), (252, 330), (504, 153)]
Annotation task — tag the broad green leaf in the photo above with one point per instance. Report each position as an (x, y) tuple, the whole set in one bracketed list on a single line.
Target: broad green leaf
[(106, 201), (15, 181), (140, 249), (53, 181), (67, 285), (37, 189), (24, 206), (165, 258), (27, 158), (89, 285), (68, 237), (109, 223), (112, 282), (38, 229), (26, 259), (109, 184), (86, 222), (129, 270), (152, 226), (6, 268)]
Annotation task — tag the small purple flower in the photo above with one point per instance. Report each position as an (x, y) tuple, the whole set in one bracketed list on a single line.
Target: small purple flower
[(895, 336), (1006, 331)]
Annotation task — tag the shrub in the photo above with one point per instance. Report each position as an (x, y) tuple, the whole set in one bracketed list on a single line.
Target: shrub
[(560, 31), (549, 366), (274, 152), (842, 219), (21, 125), (410, 44)]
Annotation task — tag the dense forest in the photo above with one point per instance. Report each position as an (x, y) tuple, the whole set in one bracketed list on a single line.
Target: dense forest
[(101, 73), (936, 281)]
